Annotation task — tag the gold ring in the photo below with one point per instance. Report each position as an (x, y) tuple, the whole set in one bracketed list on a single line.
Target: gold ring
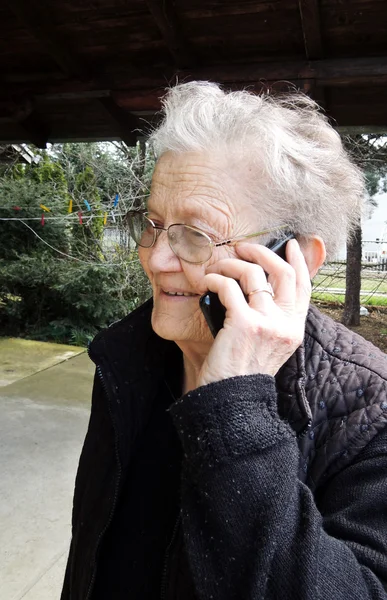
[(267, 289)]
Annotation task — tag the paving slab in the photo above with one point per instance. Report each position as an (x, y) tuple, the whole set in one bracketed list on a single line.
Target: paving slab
[(43, 422), (66, 384), (20, 358)]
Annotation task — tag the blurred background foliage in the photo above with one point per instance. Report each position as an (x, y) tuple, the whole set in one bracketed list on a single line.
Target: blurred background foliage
[(63, 280)]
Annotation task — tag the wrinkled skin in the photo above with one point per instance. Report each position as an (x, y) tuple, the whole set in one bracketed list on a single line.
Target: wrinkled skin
[(202, 190)]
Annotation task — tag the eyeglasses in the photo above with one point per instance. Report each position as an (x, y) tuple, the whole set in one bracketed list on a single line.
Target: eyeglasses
[(188, 243)]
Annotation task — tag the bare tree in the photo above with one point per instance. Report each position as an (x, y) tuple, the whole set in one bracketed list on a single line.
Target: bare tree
[(370, 153), (351, 314)]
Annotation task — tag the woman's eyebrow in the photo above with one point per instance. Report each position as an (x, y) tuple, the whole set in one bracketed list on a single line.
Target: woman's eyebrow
[(191, 218)]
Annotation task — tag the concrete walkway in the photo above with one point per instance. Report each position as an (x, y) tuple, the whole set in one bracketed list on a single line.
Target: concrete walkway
[(44, 416)]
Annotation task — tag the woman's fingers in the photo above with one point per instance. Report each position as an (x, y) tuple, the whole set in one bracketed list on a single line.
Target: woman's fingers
[(290, 280), (260, 338), (250, 276), (228, 290)]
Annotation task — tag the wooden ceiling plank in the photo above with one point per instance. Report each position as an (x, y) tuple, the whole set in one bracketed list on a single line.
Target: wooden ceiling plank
[(310, 21), (164, 15), (75, 95), (39, 25)]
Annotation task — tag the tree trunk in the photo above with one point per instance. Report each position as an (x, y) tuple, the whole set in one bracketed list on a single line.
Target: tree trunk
[(140, 170), (351, 314)]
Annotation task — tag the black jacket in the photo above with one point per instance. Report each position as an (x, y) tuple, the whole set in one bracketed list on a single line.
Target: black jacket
[(284, 481)]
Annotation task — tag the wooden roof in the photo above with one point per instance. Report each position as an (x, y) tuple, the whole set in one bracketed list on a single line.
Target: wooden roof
[(93, 69)]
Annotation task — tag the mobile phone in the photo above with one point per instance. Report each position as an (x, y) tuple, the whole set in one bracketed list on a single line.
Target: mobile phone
[(212, 308)]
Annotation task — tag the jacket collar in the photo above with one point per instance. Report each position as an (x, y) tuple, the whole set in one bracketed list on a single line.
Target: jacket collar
[(134, 359)]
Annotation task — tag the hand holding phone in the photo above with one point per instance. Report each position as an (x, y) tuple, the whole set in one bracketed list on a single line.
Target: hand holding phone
[(212, 308)]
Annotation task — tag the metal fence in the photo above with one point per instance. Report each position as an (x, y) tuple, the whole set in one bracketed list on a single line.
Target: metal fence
[(330, 283)]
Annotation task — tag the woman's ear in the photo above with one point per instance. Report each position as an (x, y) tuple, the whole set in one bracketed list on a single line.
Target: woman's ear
[(313, 249)]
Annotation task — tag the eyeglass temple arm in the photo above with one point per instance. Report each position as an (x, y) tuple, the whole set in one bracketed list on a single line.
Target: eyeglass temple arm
[(237, 239)]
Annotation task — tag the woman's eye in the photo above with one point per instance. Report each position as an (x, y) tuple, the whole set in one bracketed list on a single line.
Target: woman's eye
[(155, 221)]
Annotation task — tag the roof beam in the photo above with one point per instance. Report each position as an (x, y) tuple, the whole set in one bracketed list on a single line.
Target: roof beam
[(137, 94), (34, 131), (29, 123), (164, 15), (315, 91), (326, 72), (126, 122), (357, 129), (310, 21)]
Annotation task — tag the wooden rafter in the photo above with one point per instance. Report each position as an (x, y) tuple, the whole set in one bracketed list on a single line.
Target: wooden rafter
[(35, 130), (30, 125), (127, 122), (164, 14), (310, 20), (315, 91)]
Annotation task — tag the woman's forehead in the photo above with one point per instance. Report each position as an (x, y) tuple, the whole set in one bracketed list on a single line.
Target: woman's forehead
[(190, 168), (193, 182)]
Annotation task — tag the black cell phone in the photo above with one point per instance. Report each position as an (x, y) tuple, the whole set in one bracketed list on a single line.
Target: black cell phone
[(212, 308)]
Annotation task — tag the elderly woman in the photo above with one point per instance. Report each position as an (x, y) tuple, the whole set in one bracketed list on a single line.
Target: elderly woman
[(252, 465)]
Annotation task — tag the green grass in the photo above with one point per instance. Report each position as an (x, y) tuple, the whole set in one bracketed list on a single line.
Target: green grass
[(340, 298), (367, 284)]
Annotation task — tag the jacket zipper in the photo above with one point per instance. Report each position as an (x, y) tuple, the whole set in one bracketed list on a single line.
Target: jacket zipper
[(166, 559), (118, 481)]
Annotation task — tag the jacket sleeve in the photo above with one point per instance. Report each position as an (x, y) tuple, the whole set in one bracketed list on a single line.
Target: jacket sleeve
[(252, 529)]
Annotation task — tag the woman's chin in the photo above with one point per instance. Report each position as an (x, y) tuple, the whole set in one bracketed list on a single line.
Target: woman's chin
[(169, 327)]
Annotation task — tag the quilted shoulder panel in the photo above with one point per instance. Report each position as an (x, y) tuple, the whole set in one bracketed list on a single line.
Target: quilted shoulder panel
[(343, 343), (346, 388)]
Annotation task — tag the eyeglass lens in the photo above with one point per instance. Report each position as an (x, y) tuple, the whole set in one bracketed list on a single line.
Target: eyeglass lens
[(187, 243), (141, 229)]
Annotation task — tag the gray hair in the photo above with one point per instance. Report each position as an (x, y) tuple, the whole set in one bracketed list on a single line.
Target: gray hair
[(299, 171)]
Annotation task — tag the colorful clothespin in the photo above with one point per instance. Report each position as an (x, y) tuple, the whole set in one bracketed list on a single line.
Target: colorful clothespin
[(105, 218), (16, 208), (42, 220), (116, 199), (80, 217), (113, 217), (44, 208), (70, 210), (87, 205)]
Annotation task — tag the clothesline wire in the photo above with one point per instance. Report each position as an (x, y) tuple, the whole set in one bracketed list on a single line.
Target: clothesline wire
[(93, 264), (102, 206), (70, 217)]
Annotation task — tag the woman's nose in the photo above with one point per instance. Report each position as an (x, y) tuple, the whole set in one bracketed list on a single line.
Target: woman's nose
[(162, 257)]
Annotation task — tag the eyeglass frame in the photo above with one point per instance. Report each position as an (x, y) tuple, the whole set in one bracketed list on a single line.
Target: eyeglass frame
[(212, 244)]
